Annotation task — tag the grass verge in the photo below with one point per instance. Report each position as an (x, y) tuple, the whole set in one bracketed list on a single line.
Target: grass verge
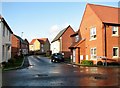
[(13, 63)]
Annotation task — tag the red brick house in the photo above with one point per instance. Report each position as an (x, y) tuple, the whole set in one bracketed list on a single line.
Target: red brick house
[(62, 42), (19, 46), (98, 36), (15, 46)]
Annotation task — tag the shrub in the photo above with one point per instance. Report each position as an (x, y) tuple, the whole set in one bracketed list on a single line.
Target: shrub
[(87, 62), (11, 61), (4, 63)]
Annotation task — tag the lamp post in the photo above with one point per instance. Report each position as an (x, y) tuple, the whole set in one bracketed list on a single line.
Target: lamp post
[(21, 44), (22, 34)]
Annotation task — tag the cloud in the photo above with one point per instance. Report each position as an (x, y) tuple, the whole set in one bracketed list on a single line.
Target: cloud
[(73, 26), (55, 29)]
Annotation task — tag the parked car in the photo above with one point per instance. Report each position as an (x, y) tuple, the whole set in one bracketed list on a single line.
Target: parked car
[(57, 57)]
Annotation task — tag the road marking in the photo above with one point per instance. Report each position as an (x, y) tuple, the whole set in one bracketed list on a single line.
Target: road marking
[(75, 66)]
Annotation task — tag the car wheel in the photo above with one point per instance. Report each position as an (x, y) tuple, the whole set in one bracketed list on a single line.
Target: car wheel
[(53, 60)]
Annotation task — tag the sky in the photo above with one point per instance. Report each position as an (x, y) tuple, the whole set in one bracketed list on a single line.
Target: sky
[(44, 19)]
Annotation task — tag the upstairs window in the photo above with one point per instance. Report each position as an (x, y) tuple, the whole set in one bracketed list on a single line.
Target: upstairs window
[(42, 45), (76, 38), (93, 33), (42, 50), (114, 30)]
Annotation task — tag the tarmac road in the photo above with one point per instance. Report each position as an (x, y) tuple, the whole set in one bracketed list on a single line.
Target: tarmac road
[(42, 72)]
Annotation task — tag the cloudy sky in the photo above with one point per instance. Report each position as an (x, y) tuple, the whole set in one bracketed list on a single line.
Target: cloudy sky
[(44, 19)]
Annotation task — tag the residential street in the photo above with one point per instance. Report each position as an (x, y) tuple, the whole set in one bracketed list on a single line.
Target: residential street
[(42, 72)]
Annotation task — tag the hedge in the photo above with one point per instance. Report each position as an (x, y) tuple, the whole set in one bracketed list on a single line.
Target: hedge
[(87, 62)]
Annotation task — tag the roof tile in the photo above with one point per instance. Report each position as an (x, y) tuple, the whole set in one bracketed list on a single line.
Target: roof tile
[(106, 14)]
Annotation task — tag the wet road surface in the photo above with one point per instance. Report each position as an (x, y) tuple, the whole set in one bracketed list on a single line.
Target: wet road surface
[(42, 72)]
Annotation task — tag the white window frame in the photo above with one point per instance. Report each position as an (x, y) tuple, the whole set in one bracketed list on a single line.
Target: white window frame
[(93, 33), (93, 54), (42, 50), (42, 45), (117, 52), (77, 38), (115, 28)]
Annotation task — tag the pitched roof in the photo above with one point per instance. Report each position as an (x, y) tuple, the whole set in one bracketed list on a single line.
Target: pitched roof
[(41, 40), (106, 14), (75, 44), (3, 20), (44, 39), (76, 33), (21, 40), (60, 34), (32, 42), (26, 41)]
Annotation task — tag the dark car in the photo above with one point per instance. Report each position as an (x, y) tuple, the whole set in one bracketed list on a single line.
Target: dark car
[(57, 57)]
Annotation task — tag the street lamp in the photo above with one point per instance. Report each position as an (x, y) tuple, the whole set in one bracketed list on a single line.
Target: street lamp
[(22, 34)]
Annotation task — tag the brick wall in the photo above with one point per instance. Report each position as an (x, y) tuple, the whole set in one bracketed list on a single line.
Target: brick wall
[(15, 46), (66, 42), (90, 19), (112, 41)]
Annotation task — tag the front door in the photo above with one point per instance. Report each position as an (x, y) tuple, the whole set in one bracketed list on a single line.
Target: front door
[(73, 55)]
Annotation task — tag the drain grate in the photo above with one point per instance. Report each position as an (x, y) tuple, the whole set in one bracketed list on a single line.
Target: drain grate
[(100, 77), (41, 75)]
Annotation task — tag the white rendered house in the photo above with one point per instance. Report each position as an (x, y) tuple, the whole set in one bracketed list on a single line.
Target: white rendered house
[(5, 41), (55, 46)]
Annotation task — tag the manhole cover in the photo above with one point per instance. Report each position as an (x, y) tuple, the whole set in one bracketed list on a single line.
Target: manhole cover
[(41, 75)]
